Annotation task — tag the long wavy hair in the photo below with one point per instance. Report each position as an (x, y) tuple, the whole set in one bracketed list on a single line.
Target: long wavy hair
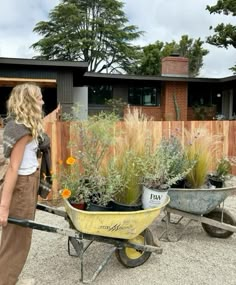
[(24, 107)]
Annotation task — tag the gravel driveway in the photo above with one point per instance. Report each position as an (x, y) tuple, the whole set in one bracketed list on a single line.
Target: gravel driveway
[(195, 259)]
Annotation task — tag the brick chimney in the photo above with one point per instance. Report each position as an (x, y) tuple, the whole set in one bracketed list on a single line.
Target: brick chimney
[(174, 65)]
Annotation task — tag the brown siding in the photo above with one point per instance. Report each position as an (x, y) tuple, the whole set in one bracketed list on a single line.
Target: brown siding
[(65, 89)]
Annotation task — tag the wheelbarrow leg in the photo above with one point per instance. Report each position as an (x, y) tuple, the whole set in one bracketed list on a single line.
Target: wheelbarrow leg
[(80, 247), (171, 222), (99, 269), (165, 236), (77, 245)]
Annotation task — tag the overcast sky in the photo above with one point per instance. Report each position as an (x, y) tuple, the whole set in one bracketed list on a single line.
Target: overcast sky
[(163, 20)]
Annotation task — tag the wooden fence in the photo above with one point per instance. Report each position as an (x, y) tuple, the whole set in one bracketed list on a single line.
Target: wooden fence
[(60, 134)]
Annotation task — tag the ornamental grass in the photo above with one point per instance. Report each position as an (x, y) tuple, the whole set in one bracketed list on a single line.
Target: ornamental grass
[(130, 149), (200, 147)]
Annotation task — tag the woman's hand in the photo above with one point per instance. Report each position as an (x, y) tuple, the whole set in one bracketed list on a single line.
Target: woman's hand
[(4, 213)]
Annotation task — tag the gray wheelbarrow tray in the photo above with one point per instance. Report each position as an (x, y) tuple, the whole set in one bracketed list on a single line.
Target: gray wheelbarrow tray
[(202, 205)]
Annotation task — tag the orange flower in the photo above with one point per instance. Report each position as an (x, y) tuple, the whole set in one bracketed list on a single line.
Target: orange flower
[(66, 193), (60, 161), (70, 160)]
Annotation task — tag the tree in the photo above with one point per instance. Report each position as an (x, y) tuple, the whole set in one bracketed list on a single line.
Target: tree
[(224, 34), (150, 57), (95, 31)]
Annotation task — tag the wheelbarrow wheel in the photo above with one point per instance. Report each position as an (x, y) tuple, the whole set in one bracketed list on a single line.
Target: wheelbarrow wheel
[(216, 215), (131, 257)]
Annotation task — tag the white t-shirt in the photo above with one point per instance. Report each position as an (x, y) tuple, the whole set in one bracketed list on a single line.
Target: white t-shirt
[(29, 163)]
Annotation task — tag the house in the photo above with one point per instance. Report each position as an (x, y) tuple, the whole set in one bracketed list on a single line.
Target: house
[(172, 96)]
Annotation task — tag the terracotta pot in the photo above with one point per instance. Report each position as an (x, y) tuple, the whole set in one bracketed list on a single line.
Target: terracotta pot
[(80, 206)]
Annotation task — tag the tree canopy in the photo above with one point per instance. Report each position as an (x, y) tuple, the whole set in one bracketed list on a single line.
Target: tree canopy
[(150, 57), (224, 34), (95, 31)]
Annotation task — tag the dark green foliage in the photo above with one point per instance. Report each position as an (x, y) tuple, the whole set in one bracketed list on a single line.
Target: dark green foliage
[(224, 34), (150, 57), (94, 31)]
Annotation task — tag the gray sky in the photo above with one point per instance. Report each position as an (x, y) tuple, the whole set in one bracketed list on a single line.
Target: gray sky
[(163, 20)]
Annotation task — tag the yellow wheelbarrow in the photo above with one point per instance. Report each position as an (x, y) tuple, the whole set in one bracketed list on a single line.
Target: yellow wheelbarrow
[(128, 232)]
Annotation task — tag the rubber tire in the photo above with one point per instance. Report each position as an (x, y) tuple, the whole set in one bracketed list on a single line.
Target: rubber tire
[(130, 257), (218, 232)]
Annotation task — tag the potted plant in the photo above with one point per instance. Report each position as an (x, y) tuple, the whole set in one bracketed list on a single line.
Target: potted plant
[(71, 182), (93, 177), (199, 147), (129, 150), (90, 192), (163, 168), (129, 196), (102, 188), (222, 172)]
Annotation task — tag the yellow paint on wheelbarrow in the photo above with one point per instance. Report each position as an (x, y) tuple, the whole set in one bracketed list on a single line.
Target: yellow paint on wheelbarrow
[(133, 253), (124, 225)]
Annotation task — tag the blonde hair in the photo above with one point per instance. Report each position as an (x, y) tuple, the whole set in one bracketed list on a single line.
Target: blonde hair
[(24, 107)]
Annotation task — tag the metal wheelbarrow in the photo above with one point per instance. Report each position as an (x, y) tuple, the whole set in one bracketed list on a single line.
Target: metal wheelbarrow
[(128, 232), (202, 205)]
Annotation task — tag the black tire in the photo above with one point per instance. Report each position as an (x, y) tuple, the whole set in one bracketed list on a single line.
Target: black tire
[(131, 257), (216, 215)]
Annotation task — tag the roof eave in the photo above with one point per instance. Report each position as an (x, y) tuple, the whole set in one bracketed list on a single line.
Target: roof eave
[(43, 63)]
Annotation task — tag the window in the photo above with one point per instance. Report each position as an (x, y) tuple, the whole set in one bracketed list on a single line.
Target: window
[(98, 94), (144, 96), (199, 95)]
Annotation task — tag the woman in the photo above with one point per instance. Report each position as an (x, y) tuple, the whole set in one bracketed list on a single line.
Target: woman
[(19, 191)]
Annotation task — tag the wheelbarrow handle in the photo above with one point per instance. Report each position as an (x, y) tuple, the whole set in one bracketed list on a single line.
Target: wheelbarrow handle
[(32, 224), (51, 210), (44, 227), (18, 221)]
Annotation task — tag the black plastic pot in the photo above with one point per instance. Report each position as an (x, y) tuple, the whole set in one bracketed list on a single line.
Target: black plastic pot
[(179, 184), (216, 182), (98, 208), (120, 207)]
